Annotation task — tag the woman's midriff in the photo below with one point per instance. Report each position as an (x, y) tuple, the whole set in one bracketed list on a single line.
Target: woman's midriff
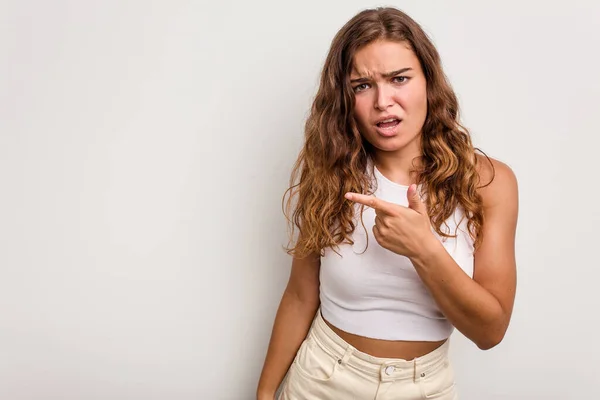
[(406, 350)]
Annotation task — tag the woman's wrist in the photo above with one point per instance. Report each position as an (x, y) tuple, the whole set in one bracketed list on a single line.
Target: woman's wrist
[(265, 396)]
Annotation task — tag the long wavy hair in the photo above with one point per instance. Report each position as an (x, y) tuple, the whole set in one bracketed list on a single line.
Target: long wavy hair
[(335, 156)]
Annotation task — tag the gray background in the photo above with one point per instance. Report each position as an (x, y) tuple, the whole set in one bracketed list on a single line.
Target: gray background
[(144, 150)]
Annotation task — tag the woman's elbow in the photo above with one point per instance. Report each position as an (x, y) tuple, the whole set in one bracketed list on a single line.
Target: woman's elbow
[(489, 342), (492, 338)]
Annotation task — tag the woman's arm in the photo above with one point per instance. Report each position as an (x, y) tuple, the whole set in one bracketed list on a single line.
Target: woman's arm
[(480, 307), (297, 309)]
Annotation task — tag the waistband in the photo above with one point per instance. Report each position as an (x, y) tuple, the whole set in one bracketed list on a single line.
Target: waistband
[(387, 369)]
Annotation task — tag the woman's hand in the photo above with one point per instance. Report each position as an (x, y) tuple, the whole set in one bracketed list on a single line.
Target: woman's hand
[(403, 230)]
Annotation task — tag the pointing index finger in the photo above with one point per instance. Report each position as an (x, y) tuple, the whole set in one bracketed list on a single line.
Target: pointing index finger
[(370, 201)]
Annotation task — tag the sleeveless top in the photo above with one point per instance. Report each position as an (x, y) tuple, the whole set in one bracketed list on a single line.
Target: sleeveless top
[(378, 294)]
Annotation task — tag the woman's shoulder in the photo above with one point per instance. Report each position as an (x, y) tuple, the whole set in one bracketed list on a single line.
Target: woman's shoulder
[(497, 183)]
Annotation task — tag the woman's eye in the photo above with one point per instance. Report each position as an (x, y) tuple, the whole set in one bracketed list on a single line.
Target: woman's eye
[(396, 79), (360, 87)]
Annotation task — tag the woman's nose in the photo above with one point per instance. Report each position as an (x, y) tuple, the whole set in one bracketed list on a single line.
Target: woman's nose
[(384, 98)]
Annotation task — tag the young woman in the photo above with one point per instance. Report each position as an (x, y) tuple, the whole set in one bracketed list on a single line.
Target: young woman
[(405, 233)]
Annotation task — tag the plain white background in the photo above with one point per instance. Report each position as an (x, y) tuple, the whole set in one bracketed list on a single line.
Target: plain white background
[(145, 147)]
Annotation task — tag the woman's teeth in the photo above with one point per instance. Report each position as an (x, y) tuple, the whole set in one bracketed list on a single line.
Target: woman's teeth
[(390, 123)]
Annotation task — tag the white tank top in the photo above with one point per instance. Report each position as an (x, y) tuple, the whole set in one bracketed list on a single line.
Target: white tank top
[(378, 294)]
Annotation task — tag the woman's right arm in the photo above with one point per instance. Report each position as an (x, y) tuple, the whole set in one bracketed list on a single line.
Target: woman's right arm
[(298, 306)]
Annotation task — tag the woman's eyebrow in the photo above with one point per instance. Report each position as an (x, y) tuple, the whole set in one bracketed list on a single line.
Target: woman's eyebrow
[(385, 75)]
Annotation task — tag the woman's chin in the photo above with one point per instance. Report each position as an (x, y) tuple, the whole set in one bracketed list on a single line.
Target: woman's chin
[(393, 144)]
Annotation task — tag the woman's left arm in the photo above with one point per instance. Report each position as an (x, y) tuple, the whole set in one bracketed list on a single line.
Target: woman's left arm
[(481, 307)]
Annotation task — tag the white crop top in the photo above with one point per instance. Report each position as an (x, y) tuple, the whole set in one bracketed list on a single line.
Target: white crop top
[(378, 294)]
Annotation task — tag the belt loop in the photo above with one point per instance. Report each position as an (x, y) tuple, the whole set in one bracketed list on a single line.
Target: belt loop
[(415, 370), (347, 355)]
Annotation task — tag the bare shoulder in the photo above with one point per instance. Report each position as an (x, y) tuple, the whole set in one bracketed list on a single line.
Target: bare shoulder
[(498, 183)]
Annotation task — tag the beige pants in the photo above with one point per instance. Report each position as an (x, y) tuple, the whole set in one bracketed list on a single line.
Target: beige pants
[(326, 367)]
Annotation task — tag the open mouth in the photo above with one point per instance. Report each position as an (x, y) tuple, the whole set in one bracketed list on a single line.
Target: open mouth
[(388, 124)]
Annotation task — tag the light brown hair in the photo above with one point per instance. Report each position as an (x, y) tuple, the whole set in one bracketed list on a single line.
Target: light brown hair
[(335, 156)]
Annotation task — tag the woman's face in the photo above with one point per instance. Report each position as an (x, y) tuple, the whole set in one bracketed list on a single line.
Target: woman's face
[(388, 83)]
